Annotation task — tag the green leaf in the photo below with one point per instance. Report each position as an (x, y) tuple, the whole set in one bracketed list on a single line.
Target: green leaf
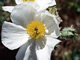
[(78, 9)]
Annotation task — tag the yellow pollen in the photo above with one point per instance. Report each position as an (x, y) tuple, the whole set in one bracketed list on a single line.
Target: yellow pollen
[(28, 0), (36, 29)]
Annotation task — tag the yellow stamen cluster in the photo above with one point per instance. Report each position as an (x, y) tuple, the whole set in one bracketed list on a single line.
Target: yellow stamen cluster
[(28, 0), (36, 29)]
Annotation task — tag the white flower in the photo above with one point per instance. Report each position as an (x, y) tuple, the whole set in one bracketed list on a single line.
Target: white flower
[(34, 32), (43, 4)]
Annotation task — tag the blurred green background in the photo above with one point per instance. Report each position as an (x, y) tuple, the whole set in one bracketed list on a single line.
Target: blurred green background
[(69, 48)]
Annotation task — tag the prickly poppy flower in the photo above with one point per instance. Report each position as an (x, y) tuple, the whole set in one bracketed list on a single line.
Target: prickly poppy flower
[(33, 32)]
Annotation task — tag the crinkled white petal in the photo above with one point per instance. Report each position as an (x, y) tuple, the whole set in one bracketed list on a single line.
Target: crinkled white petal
[(57, 19), (44, 4), (8, 8), (51, 42), (52, 2), (21, 53), (50, 23), (19, 1), (32, 53), (13, 36), (45, 53), (39, 54), (26, 50), (40, 43), (24, 13), (38, 15), (33, 46), (56, 32)]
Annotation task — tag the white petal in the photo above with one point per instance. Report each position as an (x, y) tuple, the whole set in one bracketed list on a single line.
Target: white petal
[(25, 50), (24, 13), (30, 51), (55, 34), (50, 23), (13, 36), (39, 15), (52, 2), (57, 19), (45, 3), (45, 53), (51, 42), (19, 1), (40, 43), (21, 52), (33, 54), (8, 8)]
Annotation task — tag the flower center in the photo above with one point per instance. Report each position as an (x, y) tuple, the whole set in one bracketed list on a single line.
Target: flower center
[(28, 0), (36, 29)]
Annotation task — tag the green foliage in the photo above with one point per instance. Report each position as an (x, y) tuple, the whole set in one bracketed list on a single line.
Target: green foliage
[(75, 54), (68, 32), (74, 4), (70, 5), (78, 9), (3, 15)]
